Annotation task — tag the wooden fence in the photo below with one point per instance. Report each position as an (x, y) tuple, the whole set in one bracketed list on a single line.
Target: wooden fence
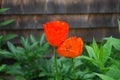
[(86, 18)]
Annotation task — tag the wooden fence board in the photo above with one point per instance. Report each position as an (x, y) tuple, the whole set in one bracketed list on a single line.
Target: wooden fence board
[(86, 34), (61, 6), (86, 18), (74, 21)]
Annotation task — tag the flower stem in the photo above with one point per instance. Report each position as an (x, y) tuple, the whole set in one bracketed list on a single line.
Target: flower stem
[(73, 66), (56, 66)]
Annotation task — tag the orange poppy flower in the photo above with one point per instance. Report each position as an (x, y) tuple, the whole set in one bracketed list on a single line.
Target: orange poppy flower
[(56, 32), (71, 47)]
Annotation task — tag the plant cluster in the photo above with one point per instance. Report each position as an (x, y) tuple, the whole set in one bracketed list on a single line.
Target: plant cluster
[(4, 38)]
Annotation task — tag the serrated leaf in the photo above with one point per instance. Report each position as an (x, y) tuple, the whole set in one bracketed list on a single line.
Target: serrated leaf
[(6, 22), (104, 77)]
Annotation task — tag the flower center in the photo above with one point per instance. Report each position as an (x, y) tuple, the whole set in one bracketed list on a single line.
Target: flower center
[(68, 48)]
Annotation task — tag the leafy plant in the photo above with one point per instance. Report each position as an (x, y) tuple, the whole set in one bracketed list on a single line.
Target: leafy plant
[(5, 22), (9, 36), (27, 57), (4, 38), (3, 10), (65, 69), (98, 55)]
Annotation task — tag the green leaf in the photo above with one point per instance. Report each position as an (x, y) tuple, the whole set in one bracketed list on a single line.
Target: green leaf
[(89, 76), (11, 47), (116, 62), (114, 72), (14, 69), (105, 51), (3, 10), (104, 77), (115, 42), (25, 43), (96, 48), (42, 74), (95, 62), (19, 78), (8, 37), (91, 52), (6, 22), (33, 45), (119, 25), (32, 38), (2, 67), (5, 53), (42, 39)]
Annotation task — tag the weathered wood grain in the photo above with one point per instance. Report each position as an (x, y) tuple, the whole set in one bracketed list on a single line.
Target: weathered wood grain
[(24, 6), (86, 18), (103, 6), (74, 21), (86, 34), (61, 6), (0, 3)]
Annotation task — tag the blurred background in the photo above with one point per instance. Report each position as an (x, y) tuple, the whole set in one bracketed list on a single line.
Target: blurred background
[(86, 18)]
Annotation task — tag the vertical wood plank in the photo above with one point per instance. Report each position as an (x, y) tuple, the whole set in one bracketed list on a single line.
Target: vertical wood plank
[(0, 3)]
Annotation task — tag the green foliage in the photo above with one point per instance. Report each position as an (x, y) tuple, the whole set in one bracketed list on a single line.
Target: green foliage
[(3, 10), (4, 38), (6, 22), (115, 42), (7, 37), (104, 77), (118, 25), (114, 69), (98, 63), (28, 57), (65, 69), (102, 57), (98, 55)]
